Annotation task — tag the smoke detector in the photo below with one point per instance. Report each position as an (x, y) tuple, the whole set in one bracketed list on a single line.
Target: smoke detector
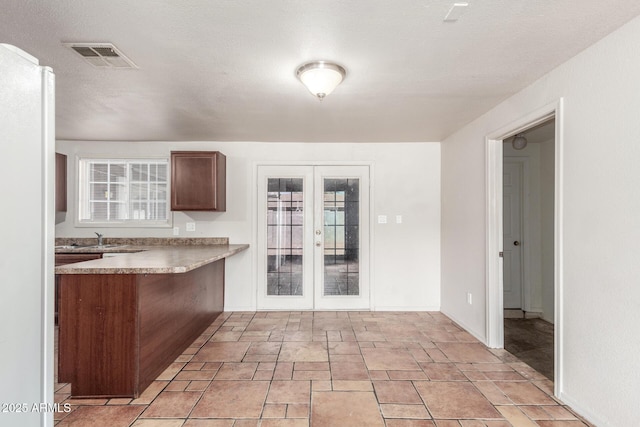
[(102, 55)]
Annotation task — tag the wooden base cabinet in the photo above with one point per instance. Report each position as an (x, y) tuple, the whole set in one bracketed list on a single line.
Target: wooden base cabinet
[(118, 332), (63, 259)]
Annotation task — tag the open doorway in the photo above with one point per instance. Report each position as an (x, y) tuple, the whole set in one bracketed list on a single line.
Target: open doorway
[(528, 236), (494, 232)]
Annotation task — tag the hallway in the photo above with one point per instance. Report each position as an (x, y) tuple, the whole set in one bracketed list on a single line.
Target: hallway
[(531, 341), (327, 369)]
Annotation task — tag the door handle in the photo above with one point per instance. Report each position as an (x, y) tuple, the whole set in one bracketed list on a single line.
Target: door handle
[(516, 243), (318, 243)]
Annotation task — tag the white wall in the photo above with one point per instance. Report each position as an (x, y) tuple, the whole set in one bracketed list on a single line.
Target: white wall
[(600, 196), (405, 181)]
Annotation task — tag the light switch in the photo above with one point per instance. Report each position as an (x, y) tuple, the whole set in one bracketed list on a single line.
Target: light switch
[(382, 219), (176, 231), (398, 219)]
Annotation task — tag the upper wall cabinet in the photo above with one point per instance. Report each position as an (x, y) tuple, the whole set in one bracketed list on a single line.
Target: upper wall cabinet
[(61, 182), (198, 181)]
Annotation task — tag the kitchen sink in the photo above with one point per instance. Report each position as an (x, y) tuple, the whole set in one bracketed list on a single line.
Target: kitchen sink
[(89, 246), (74, 246)]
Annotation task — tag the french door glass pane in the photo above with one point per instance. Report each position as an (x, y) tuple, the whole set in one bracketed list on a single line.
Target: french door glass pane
[(341, 236), (284, 236)]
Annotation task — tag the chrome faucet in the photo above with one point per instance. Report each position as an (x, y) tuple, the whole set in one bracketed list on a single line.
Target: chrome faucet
[(99, 239)]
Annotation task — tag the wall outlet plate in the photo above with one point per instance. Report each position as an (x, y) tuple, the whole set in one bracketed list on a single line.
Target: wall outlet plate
[(382, 219), (191, 226)]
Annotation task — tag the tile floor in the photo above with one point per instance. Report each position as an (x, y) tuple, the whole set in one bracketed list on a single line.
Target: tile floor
[(334, 369)]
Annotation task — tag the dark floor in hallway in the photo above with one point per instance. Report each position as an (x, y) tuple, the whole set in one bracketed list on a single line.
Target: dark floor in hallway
[(531, 340)]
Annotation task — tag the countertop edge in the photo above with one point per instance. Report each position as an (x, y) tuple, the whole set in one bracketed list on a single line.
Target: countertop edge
[(92, 268)]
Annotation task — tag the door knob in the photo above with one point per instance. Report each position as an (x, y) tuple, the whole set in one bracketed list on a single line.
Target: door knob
[(516, 243), (318, 243)]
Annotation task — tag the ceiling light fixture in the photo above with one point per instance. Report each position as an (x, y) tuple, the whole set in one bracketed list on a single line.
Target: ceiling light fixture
[(321, 77), (519, 142)]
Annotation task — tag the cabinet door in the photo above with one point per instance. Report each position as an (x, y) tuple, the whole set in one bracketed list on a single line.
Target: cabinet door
[(198, 181), (67, 258)]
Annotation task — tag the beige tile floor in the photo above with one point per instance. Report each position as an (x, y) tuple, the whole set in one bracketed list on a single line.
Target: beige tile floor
[(334, 369)]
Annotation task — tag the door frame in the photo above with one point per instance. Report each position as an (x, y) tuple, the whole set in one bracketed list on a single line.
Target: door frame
[(255, 228), (494, 240)]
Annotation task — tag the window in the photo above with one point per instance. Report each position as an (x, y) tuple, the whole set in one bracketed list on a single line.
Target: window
[(124, 192)]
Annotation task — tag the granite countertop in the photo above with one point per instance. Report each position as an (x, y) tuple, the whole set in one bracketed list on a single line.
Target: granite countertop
[(147, 256), (89, 245)]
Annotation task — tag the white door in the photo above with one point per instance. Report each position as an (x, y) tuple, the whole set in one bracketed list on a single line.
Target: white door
[(512, 232), (313, 237)]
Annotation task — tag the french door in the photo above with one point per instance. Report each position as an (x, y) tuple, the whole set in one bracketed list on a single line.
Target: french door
[(313, 237)]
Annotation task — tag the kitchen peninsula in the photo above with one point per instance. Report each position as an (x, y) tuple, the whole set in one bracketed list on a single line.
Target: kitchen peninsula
[(123, 320)]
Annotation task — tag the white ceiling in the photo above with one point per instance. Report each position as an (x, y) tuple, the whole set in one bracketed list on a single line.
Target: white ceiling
[(225, 69)]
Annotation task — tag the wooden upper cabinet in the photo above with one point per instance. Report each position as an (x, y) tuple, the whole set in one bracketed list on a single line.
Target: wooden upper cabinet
[(61, 182), (198, 181)]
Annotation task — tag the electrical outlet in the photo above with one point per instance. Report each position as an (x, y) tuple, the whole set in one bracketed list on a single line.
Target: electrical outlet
[(191, 226), (398, 219), (176, 231), (382, 219), (469, 298)]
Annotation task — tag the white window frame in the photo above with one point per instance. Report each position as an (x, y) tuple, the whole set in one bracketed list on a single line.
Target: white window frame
[(83, 189)]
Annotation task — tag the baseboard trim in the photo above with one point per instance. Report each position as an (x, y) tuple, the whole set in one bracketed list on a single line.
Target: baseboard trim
[(239, 308), (406, 308), (379, 308), (480, 337), (512, 313), (585, 413)]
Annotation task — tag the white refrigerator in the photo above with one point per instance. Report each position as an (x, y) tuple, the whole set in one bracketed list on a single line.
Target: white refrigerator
[(27, 161)]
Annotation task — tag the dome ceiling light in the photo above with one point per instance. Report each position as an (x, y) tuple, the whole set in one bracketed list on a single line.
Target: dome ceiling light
[(321, 77), (519, 141)]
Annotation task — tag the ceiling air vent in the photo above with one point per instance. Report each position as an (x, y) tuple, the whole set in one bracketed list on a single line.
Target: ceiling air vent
[(103, 55)]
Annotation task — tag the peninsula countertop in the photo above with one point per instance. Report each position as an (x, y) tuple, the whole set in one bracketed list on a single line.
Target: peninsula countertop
[(153, 259)]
